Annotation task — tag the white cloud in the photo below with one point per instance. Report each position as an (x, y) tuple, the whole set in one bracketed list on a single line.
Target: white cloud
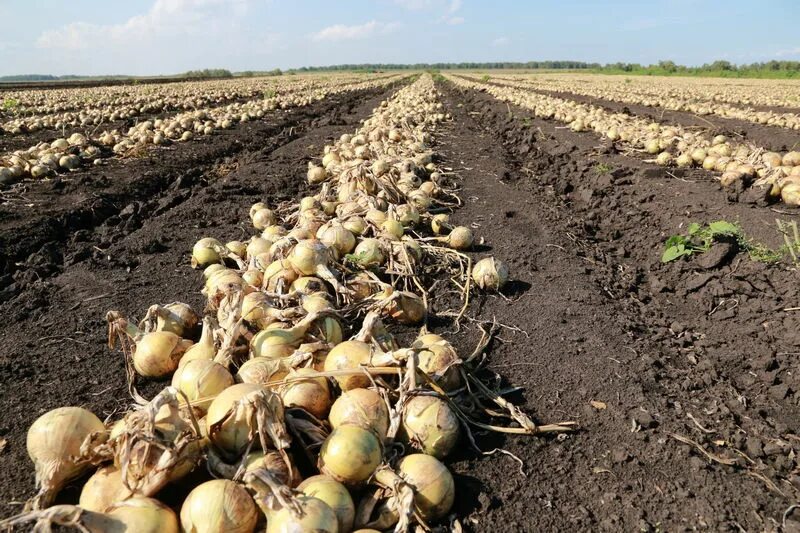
[(788, 52), (454, 21), (341, 32), (164, 18), (455, 5), (501, 41)]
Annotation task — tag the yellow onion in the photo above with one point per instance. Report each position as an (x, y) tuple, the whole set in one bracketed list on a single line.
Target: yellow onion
[(315, 302), (439, 223), (201, 381), (54, 443), (312, 394), (335, 495), (103, 489), (339, 239), (260, 371), (376, 217), (406, 308), (430, 425), (263, 218), (253, 277), (460, 238), (206, 252), (440, 361), (349, 355), (258, 246), (307, 285), (490, 274), (392, 228), (350, 454), (316, 174), (362, 286), (178, 318), (233, 435), (308, 255), (256, 207), (364, 408), (143, 515), (369, 253), (279, 274), (408, 215), (315, 516), (237, 248), (309, 202), (210, 270), (790, 193), (157, 354), (434, 488), (219, 506)]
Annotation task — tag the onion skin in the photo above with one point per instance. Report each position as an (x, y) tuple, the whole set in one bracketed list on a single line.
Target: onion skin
[(312, 394), (490, 274), (434, 488), (316, 517), (233, 436), (157, 354), (103, 489), (349, 355), (53, 441), (364, 408), (144, 515), (335, 495), (350, 455), (430, 425), (219, 506), (202, 380)]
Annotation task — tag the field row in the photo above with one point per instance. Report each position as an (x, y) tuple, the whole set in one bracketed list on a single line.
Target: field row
[(63, 154), (738, 164)]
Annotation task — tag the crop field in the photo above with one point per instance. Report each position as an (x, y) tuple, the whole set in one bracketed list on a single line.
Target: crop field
[(401, 301)]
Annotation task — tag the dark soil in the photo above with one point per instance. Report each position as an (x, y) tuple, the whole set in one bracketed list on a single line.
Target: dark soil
[(120, 237), (607, 322), (591, 314)]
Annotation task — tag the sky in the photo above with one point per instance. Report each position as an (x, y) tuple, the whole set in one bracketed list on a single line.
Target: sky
[(141, 37)]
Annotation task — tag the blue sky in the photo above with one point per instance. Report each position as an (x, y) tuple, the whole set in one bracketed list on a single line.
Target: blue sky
[(170, 36)]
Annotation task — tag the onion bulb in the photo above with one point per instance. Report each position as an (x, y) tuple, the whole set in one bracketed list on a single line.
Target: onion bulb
[(349, 355), (490, 274), (350, 454), (54, 444), (260, 371), (219, 506), (157, 354), (440, 361), (204, 349), (460, 238), (103, 489), (335, 495), (232, 436), (315, 516), (369, 253), (430, 425), (316, 174), (434, 488), (201, 381), (340, 239), (143, 515), (790, 193), (263, 218), (206, 252), (364, 408), (312, 394), (308, 255)]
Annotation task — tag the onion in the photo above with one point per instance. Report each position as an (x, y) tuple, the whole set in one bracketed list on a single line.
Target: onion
[(339, 239), (237, 248), (355, 225), (460, 238), (308, 255), (178, 318), (315, 516), (393, 229), (258, 246), (490, 274), (257, 207), (312, 394), (364, 408), (219, 506), (369, 253), (260, 371), (430, 425), (790, 193), (349, 355), (263, 218), (316, 174), (233, 435), (201, 381), (439, 223), (335, 495), (157, 354), (54, 445), (103, 489), (206, 252), (440, 361), (143, 515), (434, 488), (350, 454)]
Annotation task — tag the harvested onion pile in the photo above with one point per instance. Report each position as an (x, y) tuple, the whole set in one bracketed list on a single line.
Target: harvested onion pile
[(303, 425)]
